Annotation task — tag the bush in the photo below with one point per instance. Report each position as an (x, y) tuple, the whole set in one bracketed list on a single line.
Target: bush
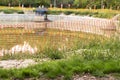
[(68, 12), (105, 15), (53, 53), (95, 13), (20, 12), (54, 12), (10, 11)]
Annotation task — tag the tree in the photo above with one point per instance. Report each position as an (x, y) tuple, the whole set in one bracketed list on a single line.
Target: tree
[(114, 4), (44, 2), (80, 3)]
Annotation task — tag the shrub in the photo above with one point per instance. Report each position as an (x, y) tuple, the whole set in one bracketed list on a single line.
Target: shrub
[(54, 12), (20, 12), (68, 12), (10, 11), (53, 53), (96, 13), (105, 15)]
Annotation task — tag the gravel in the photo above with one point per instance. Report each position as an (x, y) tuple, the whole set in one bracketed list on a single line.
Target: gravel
[(6, 64)]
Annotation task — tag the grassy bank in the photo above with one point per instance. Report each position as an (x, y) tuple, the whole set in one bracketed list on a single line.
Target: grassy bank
[(51, 40), (82, 53), (97, 60), (11, 10), (101, 13)]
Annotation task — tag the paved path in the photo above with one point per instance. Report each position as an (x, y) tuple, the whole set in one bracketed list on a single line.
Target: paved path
[(7, 64), (16, 63)]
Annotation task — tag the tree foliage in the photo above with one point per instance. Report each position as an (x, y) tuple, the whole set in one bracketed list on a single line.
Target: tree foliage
[(114, 4)]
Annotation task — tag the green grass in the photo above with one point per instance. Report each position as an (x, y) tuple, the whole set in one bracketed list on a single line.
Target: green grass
[(11, 11), (81, 53), (101, 13), (98, 67)]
